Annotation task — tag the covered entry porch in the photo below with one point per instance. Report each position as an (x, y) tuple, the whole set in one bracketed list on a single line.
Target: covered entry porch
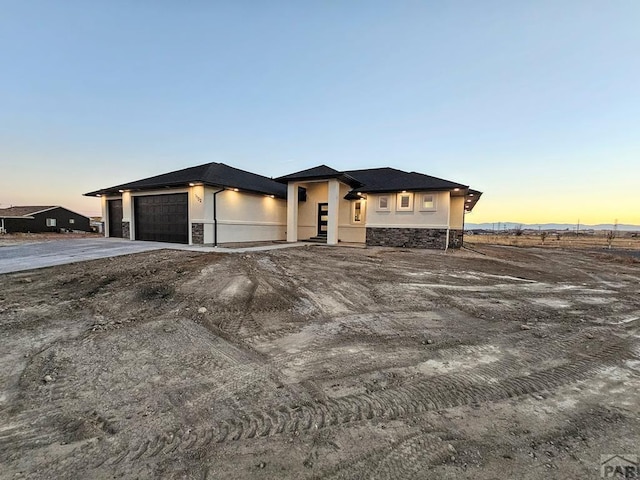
[(319, 207)]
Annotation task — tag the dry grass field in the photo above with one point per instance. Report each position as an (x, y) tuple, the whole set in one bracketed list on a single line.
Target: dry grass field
[(624, 241)]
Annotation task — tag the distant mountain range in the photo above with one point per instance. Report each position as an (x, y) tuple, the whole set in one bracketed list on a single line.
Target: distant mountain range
[(549, 226)]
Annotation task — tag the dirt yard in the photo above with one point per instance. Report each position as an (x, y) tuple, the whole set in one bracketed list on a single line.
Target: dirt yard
[(320, 362)]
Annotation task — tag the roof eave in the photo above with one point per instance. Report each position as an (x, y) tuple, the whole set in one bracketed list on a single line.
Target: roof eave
[(364, 189), (116, 190)]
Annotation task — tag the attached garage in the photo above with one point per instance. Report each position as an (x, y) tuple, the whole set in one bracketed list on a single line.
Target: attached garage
[(162, 218), (115, 218)]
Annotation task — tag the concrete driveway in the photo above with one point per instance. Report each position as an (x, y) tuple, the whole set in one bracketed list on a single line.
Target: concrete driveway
[(26, 256)]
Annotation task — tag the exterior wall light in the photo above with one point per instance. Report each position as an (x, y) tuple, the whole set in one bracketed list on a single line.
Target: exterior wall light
[(192, 184), (121, 191), (235, 189)]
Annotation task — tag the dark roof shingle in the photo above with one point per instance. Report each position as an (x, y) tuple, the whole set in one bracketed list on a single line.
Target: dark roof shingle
[(321, 171), (23, 211), (212, 174), (388, 179)]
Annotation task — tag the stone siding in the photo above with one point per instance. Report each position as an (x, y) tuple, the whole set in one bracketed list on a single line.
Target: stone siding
[(414, 237), (126, 230), (197, 233), (456, 238)]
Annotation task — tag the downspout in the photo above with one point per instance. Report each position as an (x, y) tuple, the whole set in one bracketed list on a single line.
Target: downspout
[(446, 245), (215, 218), (464, 215)]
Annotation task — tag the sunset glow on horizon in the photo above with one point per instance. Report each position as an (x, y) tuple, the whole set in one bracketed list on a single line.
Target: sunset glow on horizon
[(534, 104)]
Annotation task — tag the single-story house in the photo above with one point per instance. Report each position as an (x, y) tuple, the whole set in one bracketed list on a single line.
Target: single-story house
[(215, 203), (40, 219)]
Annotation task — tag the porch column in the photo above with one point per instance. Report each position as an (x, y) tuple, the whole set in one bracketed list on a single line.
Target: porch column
[(292, 212), (332, 224), (128, 215)]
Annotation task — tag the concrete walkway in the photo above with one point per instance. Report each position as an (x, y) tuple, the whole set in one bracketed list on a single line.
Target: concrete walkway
[(27, 256)]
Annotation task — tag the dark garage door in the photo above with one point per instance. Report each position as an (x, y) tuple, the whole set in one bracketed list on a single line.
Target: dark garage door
[(115, 218), (162, 218)]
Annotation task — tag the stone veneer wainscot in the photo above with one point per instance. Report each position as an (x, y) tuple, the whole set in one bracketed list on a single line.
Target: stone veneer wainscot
[(197, 233), (126, 230), (435, 238)]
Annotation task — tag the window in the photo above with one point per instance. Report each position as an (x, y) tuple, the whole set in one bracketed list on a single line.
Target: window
[(357, 212), (428, 202), (405, 202), (51, 222), (383, 202), (72, 221)]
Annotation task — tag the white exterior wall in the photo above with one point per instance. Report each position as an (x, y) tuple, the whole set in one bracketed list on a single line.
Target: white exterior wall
[(439, 218), (105, 214), (308, 211), (348, 230), (292, 212), (127, 213), (244, 217), (318, 192), (456, 215)]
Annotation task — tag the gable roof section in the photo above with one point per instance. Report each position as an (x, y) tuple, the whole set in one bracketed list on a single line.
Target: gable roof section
[(383, 179), (318, 173), (388, 179), (23, 211), (211, 174)]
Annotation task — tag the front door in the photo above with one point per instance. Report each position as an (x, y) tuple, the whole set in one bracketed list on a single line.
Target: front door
[(323, 219)]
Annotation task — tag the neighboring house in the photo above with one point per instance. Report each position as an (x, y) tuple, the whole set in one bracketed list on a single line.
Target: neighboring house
[(215, 203), (40, 219)]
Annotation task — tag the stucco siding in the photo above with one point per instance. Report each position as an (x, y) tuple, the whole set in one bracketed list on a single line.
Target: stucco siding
[(244, 217), (415, 218), (348, 229), (308, 210), (456, 216), (352, 233)]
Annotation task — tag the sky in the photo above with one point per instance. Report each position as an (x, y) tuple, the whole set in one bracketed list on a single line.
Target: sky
[(534, 103)]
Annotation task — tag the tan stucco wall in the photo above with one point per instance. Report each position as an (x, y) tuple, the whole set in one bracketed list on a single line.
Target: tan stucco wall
[(456, 216), (317, 192), (348, 230), (308, 211), (409, 219), (244, 217)]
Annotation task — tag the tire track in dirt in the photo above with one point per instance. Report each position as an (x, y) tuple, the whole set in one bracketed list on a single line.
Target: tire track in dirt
[(414, 397), (405, 458)]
